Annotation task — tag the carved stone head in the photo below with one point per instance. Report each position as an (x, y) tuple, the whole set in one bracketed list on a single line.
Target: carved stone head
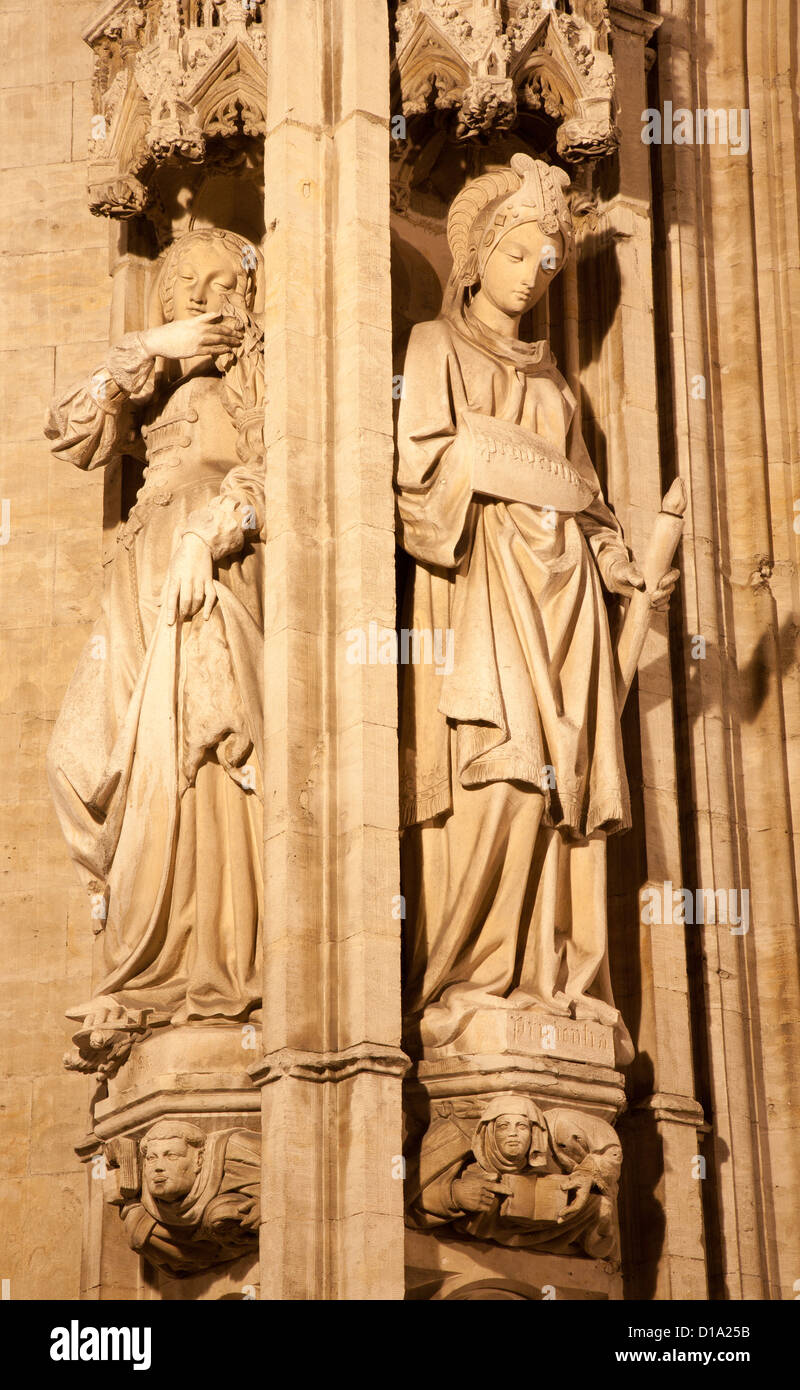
[(172, 1155), (204, 271), (524, 203), (510, 1135)]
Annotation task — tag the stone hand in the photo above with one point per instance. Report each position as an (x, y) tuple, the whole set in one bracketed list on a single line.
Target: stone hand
[(102, 1018), (202, 335), (190, 581), (624, 577), (661, 595), (476, 1194), (579, 1183)]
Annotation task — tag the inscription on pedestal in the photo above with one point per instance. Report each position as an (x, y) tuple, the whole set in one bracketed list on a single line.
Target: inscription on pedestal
[(529, 1033), (562, 1037)]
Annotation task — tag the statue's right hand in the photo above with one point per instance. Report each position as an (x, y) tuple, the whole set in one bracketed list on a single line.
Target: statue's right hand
[(202, 335), (476, 1194)]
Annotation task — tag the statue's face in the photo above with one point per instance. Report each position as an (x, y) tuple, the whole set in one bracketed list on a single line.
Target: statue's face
[(170, 1167), (512, 1135), (207, 274), (520, 268)]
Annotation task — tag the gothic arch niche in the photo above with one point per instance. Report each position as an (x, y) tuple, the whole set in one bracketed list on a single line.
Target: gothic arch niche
[(177, 132), (473, 83)]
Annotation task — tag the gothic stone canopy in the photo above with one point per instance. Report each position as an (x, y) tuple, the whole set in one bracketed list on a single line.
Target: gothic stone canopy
[(464, 57), (170, 75)]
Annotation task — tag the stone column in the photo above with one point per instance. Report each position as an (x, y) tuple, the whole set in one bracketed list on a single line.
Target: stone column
[(731, 273), (331, 1074), (662, 1255)]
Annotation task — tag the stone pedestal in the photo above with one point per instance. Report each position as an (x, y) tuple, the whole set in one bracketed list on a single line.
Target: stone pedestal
[(552, 1059), (528, 1033), (195, 1072), (196, 1075), (441, 1269)]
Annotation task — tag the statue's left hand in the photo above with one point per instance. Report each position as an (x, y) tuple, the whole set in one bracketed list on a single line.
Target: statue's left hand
[(190, 581), (662, 594), (581, 1185), (625, 577)]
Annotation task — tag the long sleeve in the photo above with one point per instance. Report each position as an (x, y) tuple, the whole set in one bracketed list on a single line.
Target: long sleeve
[(236, 515), (434, 477), (91, 423)]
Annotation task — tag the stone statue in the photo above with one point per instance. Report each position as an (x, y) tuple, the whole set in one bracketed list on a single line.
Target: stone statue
[(194, 1199), (155, 760), (519, 1177), (512, 770)]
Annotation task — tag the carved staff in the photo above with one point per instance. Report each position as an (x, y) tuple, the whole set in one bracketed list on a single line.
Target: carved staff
[(663, 544)]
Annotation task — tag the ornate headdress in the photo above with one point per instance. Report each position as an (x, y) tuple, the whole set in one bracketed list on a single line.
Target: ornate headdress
[(489, 206)]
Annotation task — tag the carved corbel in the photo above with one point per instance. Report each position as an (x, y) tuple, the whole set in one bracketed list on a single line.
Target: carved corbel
[(188, 1200), (507, 1172)]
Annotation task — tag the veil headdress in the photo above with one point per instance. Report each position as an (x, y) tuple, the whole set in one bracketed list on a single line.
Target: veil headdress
[(486, 1148), (527, 190)]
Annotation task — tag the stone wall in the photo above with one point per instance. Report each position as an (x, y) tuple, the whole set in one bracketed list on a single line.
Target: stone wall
[(704, 246)]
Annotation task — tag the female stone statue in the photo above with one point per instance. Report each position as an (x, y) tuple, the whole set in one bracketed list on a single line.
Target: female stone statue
[(155, 758), (512, 769)]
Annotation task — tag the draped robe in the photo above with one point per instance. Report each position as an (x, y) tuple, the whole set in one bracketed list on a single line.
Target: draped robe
[(512, 768), (155, 759)]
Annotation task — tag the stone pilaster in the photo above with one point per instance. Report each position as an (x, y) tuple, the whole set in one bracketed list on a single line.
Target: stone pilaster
[(730, 226), (620, 384), (331, 1075)]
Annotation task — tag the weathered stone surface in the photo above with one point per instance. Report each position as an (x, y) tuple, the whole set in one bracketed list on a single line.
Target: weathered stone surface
[(676, 328)]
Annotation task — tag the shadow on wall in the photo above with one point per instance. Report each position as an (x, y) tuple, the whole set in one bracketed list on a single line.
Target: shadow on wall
[(641, 1207)]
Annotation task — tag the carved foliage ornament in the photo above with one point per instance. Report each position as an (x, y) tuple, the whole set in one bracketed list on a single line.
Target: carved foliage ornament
[(168, 76), (463, 56)]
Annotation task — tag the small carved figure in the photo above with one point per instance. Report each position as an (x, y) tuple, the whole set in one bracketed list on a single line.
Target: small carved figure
[(196, 1201), (520, 1177)]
